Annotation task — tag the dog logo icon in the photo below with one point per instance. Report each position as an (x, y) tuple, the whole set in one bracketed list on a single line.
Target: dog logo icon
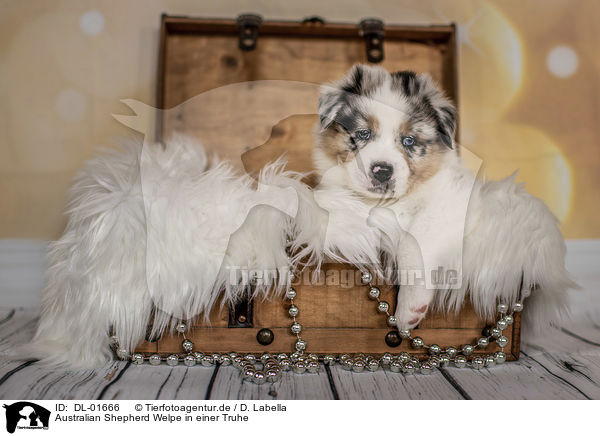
[(26, 415)]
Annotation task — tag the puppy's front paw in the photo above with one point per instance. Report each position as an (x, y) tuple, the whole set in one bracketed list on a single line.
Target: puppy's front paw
[(408, 317)]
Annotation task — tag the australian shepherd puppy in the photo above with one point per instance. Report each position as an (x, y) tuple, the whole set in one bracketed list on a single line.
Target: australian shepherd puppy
[(393, 182)]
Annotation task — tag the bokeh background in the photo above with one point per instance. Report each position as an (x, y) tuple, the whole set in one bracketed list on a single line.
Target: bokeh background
[(529, 91)]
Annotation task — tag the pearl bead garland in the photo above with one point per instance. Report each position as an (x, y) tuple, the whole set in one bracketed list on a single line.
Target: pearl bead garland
[(269, 367)]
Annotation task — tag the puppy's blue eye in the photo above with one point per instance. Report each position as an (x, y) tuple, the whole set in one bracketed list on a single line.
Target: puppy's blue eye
[(363, 134), (408, 141)]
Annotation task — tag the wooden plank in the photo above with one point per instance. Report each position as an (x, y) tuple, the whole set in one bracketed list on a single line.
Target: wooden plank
[(386, 385), (229, 385)]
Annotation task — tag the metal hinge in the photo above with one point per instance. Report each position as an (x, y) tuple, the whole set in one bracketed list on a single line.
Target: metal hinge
[(372, 30)]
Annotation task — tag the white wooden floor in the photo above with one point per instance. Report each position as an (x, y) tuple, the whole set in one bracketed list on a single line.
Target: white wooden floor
[(564, 365)]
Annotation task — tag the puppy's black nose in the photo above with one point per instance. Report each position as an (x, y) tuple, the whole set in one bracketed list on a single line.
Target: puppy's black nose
[(382, 171)]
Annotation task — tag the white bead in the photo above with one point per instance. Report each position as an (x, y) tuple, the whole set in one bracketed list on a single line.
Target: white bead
[(500, 357), (291, 293), (417, 342), (293, 311), (374, 293), (172, 360), (392, 321), (154, 359), (460, 361), (477, 362), (181, 327), (502, 341), (517, 307), (187, 345), (482, 342), (383, 306), (490, 361), (189, 360), (296, 328), (502, 308), (137, 358), (404, 334), (467, 350), (366, 277)]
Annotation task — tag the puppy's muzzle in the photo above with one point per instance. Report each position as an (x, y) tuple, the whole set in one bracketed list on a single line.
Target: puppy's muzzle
[(381, 172)]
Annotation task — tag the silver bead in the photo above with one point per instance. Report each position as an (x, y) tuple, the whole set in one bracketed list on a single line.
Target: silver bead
[(517, 307), (233, 355), (300, 345), (467, 350), (154, 359), (296, 356), (386, 359), (137, 358), (344, 357), (502, 341), (444, 360), (483, 342), (408, 368), (500, 357), (198, 355), (395, 366), (265, 356), (434, 349), (374, 293), (225, 360), (490, 361), (404, 334), (347, 364), (460, 361), (236, 361), (495, 332), (216, 357), (417, 342), (250, 357), (502, 308), (525, 292), (477, 362), (249, 374), (259, 377), (392, 321), (434, 361), (122, 353), (366, 277), (358, 365), (312, 366), (291, 293), (299, 367), (383, 306), (328, 359), (286, 364), (181, 327), (404, 357), (189, 360), (293, 310), (207, 361), (426, 368), (172, 360), (296, 328), (187, 345), (313, 356), (273, 375), (372, 365), (451, 352), (508, 319), (501, 324)]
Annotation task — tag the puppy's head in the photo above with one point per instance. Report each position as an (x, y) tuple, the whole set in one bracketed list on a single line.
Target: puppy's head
[(382, 134)]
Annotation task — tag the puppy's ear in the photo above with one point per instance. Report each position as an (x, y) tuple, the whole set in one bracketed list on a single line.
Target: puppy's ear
[(360, 80), (443, 111)]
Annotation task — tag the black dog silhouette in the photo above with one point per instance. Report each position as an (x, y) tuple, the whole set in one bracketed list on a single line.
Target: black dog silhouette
[(13, 415)]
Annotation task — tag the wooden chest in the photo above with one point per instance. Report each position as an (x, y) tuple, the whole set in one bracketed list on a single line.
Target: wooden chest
[(250, 94)]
